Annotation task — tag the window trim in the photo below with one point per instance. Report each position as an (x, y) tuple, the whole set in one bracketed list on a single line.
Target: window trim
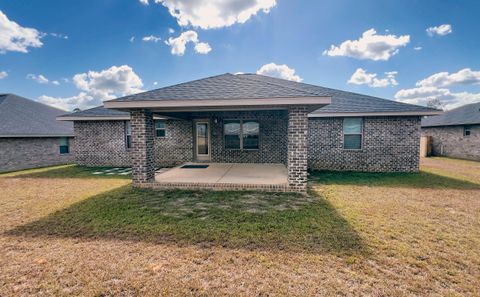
[(466, 129), (159, 129), (67, 146), (127, 142), (361, 134), (241, 135)]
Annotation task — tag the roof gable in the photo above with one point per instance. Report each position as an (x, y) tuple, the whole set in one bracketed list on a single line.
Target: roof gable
[(23, 117)]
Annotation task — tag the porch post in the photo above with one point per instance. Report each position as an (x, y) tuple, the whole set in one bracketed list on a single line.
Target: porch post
[(143, 164), (297, 148)]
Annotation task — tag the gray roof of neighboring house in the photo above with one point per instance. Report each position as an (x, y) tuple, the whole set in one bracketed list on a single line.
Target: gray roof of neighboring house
[(464, 115), (98, 111), (26, 118), (254, 86)]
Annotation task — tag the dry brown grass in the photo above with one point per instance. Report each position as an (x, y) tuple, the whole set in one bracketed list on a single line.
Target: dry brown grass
[(421, 240)]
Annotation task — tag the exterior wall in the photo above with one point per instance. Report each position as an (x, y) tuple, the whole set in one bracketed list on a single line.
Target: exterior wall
[(142, 153), (272, 137), (450, 142), (390, 144), (32, 152), (102, 143)]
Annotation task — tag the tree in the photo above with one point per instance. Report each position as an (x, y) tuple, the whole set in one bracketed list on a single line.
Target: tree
[(435, 103)]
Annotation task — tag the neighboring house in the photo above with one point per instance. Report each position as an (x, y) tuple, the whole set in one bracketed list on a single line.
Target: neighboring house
[(30, 135), (249, 118), (456, 133)]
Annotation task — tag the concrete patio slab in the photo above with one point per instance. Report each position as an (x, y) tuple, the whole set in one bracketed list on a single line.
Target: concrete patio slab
[(226, 173)]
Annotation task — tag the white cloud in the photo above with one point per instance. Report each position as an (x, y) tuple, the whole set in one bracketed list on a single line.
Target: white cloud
[(151, 38), (132, 39), (155, 83), (171, 31), (362, 77), (109, 83), (439, 30), (370, 46), (444, 79), (82, 101), (144, 2), (280, 71), (38, 78), (178, 45), (202, 48), (59, 35), (418, 48), (421, 96), (3, 74), (16, 38), (56, 82), (98, 86), (208, 14)]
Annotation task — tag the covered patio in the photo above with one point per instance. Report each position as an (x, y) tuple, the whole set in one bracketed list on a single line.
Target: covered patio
[(223, 176), (253, 135)]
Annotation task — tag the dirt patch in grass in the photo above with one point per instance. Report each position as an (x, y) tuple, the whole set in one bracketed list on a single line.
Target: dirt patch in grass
[(418, 236)]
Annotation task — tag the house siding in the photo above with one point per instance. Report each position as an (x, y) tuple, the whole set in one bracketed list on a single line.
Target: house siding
[(32, 152), (272, 137), (103, 143), (449, 141), (390, 144)]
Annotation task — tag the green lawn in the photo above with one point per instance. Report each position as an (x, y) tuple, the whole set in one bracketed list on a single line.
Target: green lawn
[(64, 171), (229, 219)]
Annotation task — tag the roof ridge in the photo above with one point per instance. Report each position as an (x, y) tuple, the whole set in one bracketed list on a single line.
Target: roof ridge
[(278, 85)]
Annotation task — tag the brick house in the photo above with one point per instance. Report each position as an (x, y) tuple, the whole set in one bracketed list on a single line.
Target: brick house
[(254, 119), (30, 136), (456, 133)]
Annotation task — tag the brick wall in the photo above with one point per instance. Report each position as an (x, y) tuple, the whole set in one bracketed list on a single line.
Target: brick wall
[(389, 144), (142, 153), (297, 148), (450, 142), (102, 143), (272, 137), (32, 152)]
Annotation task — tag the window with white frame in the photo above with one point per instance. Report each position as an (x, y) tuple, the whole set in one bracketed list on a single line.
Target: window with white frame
[(128, 135), (352, 133), (160, 128), (241, 134)]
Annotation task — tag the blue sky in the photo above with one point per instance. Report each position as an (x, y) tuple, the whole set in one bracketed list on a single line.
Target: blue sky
[(78, 53)]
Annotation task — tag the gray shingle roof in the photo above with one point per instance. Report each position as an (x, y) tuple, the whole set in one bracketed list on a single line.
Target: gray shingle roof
[(342, 101), (225, 86), (98, 111), (23, 117), (250, 86), (464, 115)]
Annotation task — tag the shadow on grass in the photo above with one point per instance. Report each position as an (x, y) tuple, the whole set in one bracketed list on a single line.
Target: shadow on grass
[(68, 171), (246, 220), (420, 180)]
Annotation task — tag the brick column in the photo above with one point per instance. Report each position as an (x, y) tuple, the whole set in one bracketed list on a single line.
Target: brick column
[(297, 148), (143, 163)]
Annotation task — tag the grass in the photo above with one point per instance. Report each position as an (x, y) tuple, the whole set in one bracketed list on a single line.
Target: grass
[(64, 171), (230, 219), (354, 234)]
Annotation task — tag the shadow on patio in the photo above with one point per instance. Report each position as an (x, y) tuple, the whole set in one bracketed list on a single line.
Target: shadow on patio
[(247, 220)]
